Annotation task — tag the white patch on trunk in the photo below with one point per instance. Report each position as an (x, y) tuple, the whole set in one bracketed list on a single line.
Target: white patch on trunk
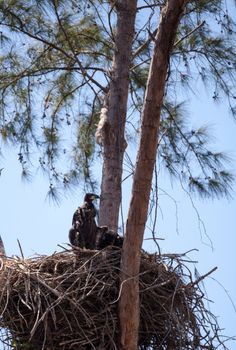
[(102, 126)]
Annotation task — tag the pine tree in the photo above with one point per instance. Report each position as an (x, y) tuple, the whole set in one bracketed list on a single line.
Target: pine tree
[(59, 71), (56, 68)]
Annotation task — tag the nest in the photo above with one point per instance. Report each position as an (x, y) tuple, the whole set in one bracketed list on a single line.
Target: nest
[(69, 300)]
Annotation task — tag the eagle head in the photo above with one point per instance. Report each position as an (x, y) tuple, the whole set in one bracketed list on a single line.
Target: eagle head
[(89, 197)]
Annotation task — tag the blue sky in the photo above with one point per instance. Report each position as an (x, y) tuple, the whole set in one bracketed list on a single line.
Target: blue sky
[(40, 226)]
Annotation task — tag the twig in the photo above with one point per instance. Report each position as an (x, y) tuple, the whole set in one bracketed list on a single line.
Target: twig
[(188, 34), (21, 250), (197, 281)]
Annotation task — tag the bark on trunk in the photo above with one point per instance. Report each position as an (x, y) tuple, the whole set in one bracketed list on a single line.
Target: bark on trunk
[(137, 216), (111, 129)]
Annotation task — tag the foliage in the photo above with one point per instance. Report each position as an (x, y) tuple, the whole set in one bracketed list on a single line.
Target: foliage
[(186, 154), (55, 71)]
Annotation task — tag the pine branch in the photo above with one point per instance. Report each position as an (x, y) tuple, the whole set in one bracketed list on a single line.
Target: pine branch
[(189, 34), (52, 45), (84, 72), (145, 44)]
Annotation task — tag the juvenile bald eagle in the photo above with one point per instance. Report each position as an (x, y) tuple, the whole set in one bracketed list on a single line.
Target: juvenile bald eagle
[(84, 228), (109, 238)]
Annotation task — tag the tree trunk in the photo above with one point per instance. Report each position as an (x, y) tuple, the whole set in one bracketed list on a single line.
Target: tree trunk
[(137, 216), (111, 128)]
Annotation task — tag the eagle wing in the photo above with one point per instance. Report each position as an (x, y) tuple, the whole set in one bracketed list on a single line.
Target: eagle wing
[(84, 227)]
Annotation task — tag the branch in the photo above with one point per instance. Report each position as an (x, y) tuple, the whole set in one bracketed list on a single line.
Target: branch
[(50, 44), (145, 45), (201, 278), (85, 74), (2, 248), (188, 34), (148, 6), (152, 38)]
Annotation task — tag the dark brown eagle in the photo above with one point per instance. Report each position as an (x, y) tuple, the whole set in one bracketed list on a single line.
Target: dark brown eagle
[(83, 233)]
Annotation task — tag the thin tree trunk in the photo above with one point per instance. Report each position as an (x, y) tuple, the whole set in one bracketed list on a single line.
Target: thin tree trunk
[(111, 128), (137, 216)]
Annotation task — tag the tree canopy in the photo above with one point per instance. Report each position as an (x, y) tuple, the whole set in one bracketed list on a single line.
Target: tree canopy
[(56, 69)]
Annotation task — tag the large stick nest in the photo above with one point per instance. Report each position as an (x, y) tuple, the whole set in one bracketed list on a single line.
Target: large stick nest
[(69, 300)]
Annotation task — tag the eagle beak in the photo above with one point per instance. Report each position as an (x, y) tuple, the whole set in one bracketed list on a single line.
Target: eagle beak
[(95, 196)]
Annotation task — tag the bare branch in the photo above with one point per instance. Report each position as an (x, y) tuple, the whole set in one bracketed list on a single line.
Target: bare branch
[(189, 34)]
